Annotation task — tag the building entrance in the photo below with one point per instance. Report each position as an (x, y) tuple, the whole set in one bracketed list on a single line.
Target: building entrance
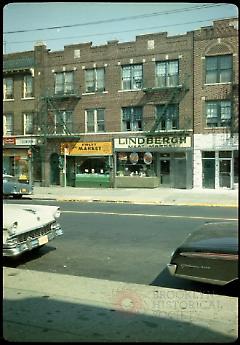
[(165, 172), (225, 173)]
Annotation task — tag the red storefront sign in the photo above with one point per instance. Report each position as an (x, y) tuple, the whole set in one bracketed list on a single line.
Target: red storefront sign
[(9, 141)]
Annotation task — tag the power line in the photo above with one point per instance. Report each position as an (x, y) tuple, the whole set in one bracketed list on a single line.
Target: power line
[(118, 32), (117, 19)]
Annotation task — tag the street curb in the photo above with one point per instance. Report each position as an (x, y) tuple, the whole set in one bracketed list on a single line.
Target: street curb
[(140, 202)]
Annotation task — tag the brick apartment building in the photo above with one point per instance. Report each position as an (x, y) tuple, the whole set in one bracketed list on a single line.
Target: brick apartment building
[(130, 114)]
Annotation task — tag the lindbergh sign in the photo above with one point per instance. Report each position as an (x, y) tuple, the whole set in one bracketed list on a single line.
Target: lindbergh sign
[(153, 142)]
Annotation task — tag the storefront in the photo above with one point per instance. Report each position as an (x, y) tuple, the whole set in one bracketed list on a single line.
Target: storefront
[(19, 156), (216, 161), (149, 162), (86, 164)]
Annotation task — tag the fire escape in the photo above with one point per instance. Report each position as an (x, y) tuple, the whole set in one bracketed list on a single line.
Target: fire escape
[(168, 95)]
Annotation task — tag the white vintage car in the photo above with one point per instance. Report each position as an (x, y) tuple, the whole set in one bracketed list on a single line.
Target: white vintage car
[(26, 227)]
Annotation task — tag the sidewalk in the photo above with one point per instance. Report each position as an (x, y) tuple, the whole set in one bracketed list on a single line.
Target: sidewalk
[(158, 196), (47, 307)]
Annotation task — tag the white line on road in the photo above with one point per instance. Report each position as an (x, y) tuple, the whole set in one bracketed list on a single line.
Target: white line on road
[(147, 215)]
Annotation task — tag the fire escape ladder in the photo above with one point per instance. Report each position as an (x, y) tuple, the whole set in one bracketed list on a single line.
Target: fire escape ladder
[(177, 91)]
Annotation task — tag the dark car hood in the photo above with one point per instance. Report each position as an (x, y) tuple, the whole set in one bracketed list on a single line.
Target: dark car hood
[(220, 237)]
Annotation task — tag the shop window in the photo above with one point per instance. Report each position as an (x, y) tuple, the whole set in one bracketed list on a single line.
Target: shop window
[(7, 88), (95, 120), (167, 73), (27, 86), (218, 69), (64, 83), (92, 165), (218, 113), (141, 164), (132, 77), (132, 119), (94, 79), (8, 124), (63, 122), (27, 123), (168, 116)]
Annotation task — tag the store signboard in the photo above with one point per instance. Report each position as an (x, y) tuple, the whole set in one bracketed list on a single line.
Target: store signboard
[(9, 141), (153, 142), (96, 148), (26, 141)]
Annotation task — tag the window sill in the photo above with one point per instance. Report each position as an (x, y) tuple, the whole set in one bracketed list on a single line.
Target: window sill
[(27, 98), (94, 93), (9, 100), (131, 90), (225, 83)]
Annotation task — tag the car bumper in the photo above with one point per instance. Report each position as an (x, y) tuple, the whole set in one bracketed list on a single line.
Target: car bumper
[(19, 248)]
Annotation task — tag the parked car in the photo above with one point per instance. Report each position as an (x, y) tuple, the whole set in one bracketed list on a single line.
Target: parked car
[(12, 187), (26, 227), (208, 255)]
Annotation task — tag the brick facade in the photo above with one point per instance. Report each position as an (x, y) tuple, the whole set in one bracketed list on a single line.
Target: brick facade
[(190, 50)]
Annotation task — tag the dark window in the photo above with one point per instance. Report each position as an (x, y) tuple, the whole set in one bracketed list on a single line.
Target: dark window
[(218, 69), (208, 154), (95, 120), (168, 116), (132, 119)]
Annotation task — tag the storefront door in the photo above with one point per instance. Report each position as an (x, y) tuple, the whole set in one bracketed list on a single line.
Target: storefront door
[(225, 173), (208, 173), (165, 172), (55, 173)]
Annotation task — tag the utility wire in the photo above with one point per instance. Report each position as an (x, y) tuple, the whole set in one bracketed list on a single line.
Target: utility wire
[(117, 32), (117, 19)]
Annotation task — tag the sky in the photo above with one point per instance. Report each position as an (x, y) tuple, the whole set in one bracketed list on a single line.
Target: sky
[(59, 24)]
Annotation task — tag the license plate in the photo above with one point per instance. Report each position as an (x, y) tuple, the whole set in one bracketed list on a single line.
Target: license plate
[(43, 240), (23, 190)]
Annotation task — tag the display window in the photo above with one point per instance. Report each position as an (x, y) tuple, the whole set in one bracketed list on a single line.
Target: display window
[(141, 164), (92, 165)]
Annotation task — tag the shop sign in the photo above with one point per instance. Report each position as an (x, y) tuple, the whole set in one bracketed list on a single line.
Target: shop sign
[(9, 141), (153, 142), (100, 148), (26, 141)]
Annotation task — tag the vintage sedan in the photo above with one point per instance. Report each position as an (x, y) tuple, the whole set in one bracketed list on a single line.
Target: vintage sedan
[(12, 187), (210, 254), (26, 227)]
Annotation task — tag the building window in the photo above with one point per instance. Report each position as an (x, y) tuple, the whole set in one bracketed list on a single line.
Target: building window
[(95, 120), (7, 88), (27, 123), (167, 116), (94, 79), (132, 77), (63, 122), (167, 73), (218, 113), (64, 83), (132, 119), (8, 124), (27, 86), (218, 69)]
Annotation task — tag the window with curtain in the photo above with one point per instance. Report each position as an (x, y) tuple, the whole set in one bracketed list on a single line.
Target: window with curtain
[(132, 77), (94, 79), (95, 120), (8, 124), (167, 73), (218, 113), (132, 119), (28, 123), (27, 86), (8, 88), (218, 69), (64, 82)]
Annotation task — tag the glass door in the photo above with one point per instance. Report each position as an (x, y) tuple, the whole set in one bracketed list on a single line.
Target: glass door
[(165, 172), (225, 173)]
